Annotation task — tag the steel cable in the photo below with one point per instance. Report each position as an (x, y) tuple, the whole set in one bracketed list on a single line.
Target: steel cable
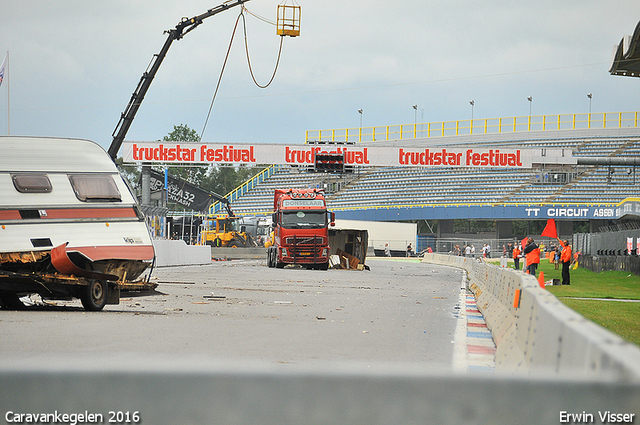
[(246, 46), (224, 65)]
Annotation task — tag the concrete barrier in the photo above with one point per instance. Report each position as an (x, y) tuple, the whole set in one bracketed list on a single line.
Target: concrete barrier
[(239, 253), (178, 253), (205, 391), (539, 332)]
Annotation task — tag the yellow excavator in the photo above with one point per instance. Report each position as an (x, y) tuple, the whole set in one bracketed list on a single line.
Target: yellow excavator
[(224, 229)]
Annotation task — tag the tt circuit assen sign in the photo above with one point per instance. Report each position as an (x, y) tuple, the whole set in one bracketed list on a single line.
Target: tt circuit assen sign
[(354, 155)]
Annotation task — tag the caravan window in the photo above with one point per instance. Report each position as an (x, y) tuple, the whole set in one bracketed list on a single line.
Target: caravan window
[(95, 188), (31, 182)]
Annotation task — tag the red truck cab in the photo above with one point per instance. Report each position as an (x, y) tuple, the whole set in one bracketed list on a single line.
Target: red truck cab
[(300, 229)]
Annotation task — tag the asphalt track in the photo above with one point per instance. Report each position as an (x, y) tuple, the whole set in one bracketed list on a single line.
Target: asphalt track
[(401, 312)]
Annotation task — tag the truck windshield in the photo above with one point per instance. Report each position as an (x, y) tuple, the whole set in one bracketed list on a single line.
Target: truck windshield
[(303, 219)]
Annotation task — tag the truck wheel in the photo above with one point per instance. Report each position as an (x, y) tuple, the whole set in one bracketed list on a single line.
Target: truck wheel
[(270, 259), (233, 244), (94, 295)]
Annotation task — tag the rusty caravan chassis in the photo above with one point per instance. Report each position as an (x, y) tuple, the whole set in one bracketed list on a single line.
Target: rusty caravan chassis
[(69, 224)]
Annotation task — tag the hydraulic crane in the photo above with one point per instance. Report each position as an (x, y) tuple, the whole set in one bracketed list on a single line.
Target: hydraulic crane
[(185, 26)]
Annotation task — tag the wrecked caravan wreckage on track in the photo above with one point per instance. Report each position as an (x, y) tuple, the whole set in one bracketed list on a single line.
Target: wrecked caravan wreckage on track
[(69, 224)]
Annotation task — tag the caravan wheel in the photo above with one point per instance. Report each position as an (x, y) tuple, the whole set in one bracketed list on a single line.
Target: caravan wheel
[(94, 295)]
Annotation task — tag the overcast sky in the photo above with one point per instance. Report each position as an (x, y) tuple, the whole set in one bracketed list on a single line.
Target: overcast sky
[(75, 63)]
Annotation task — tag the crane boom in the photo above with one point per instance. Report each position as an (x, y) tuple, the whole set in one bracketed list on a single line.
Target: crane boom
[(185, 26)]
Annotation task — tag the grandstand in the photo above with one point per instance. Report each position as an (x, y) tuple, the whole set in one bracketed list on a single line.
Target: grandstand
[(438, 193)]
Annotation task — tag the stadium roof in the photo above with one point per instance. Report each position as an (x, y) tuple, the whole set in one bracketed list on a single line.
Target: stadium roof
[(626, 59)]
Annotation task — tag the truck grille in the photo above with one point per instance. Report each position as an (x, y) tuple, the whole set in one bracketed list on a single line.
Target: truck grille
[(304, 240)]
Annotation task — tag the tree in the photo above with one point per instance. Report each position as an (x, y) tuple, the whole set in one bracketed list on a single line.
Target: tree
[(224, 179), (129, 172), (182, 133), (220, 179)]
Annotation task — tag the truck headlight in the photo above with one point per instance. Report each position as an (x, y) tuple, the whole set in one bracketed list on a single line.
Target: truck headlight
[(324, 252), (284, 252)]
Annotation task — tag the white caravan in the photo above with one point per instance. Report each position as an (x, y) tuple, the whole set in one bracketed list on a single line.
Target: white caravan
[(69, 224)]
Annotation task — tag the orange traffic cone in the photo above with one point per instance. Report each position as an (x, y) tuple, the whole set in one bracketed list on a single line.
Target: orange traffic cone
[(541, 280)]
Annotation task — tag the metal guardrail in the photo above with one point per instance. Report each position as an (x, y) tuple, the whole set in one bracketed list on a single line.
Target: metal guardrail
[(477, 126)]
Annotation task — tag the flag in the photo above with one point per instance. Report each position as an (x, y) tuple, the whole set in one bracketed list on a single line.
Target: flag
[(2, 70), (550, 229)]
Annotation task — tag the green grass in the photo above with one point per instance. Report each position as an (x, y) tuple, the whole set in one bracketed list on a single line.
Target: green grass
[(618, 317), (622, 318)]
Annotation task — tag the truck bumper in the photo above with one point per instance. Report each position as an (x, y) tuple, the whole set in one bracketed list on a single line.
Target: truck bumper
[(302, 255)]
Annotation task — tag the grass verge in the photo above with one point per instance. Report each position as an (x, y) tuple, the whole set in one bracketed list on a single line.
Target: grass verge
[(622, 318)]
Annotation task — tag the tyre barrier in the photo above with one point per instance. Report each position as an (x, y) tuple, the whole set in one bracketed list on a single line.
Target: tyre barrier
[(534, 331)]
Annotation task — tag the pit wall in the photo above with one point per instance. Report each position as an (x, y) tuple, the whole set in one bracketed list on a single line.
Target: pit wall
[(534, 331)]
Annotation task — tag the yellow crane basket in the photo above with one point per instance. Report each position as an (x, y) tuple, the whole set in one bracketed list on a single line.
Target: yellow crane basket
[(288, 20)]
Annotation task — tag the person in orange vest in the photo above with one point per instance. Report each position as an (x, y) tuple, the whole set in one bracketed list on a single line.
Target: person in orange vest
[(516, 257), (565, 259), (532, 255)]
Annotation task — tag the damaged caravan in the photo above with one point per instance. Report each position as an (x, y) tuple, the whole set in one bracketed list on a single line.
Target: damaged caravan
[(69, 224)]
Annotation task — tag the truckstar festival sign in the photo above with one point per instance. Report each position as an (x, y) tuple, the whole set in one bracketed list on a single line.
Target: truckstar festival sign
[(354, 155)]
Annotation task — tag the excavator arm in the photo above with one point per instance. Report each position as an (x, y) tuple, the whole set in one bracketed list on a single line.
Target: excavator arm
[(184, 27), (224, 201)]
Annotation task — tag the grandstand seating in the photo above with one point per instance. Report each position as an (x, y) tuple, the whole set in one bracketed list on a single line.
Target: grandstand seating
[(259, 200), (385, 187)]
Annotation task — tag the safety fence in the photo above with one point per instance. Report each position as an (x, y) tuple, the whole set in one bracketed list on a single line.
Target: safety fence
[(478, 126), (448, 245), (534, 331), (612, 250), (597, 263), (607, 243)]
